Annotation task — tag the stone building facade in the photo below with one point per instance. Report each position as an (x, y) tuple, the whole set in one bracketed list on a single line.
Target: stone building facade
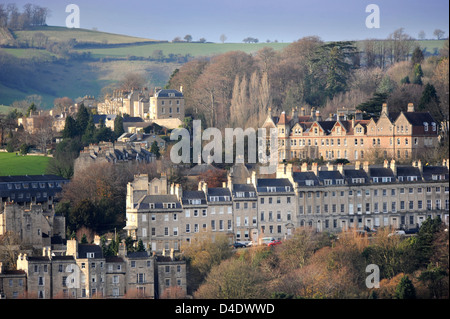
[(402, 136), (83, 272), (26, 208), (330, 198), (164, 107)]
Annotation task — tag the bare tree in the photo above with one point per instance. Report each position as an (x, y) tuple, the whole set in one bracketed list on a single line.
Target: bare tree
[(62, 104), (43, 132), (421, 35), (132, 81), (400, 45), (439, 34), (223, 38)]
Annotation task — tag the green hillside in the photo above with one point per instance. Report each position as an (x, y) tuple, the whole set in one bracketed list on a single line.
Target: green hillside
[(60, 34), (103, 60)]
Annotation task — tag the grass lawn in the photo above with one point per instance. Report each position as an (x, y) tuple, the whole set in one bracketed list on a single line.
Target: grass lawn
[(12, 164)]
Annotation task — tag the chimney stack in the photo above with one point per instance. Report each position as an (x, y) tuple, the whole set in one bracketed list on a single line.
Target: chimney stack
[(254, 178), (122, 248), (304, 167), (410, 107), (318, 116), (366, 167), (394, 167), (340, 168), (294, 115), (315, 168), (203, 186), (420, 166), (384, 109)]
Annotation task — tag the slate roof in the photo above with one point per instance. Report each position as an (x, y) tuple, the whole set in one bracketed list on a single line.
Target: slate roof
[(330, 175), (327, 125), (280, 184), (245, 190), (188, 195), (25, 187), (132, 119), (430, 171), (137, 254), (355, 173), (165, 93), (265, 182), (380, 172), (301, 177), (418, 118), (83, 249), (158, 201), (408, 171)]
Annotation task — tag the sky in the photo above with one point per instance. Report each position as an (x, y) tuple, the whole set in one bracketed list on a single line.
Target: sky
[(281, 20)]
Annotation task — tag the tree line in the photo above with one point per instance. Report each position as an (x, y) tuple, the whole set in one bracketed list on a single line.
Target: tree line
[(31, 16), (237, 89)]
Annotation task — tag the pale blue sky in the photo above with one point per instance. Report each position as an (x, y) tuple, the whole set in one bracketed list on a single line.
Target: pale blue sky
[(282, 20)]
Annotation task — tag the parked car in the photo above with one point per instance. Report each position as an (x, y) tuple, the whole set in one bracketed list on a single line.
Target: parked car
[(239, 245), (274, 243), (412, 231), (397, 233), (266, 240)]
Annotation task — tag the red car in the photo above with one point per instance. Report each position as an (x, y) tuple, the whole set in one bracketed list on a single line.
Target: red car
[(274, 243)]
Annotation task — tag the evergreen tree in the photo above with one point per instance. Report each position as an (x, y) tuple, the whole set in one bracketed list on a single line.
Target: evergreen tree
[(429, 101), (140, 246), (82, 119), (424, 240), (418, 74), (405, 289), (88, 136), (84, 239), (32, 108), (118, 126), (373, 105), (70, 128), (129, 244), (155, 149), (332, 64), (417, 56), (405, 80)]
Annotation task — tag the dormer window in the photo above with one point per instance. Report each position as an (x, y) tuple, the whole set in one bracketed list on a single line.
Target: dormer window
[(90, 255), (425, 126)]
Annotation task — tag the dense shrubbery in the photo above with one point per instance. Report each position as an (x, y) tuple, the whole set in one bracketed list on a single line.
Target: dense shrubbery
[(316, 265)]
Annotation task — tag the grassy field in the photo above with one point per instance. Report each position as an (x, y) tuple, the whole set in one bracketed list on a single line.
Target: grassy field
[(12, 164), (59, 34), (4, 109), (183, 48)]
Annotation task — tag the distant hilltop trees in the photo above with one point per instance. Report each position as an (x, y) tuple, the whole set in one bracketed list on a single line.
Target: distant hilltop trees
[(32, 15)]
